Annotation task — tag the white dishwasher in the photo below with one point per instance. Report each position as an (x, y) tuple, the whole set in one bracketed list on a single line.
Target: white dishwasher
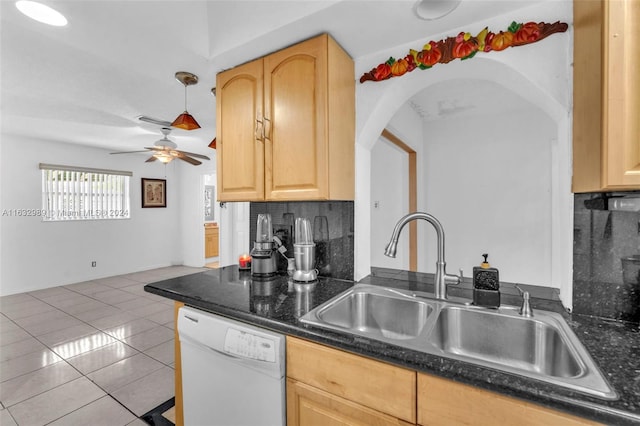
[(233, 374)]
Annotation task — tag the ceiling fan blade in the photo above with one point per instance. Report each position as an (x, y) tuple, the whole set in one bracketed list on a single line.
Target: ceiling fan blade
[(191, 154), (127, 152), (159, 148), (151, 159), (155, 121), (188, 159)]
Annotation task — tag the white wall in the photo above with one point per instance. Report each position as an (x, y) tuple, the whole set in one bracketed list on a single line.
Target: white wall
[(490, 187), (38, 254), (191, 201), (234, 232), (541, 73), (389, 201), (389, 184)]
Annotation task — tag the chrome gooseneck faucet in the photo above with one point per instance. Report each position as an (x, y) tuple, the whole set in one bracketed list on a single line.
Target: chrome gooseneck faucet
[(442, 278)]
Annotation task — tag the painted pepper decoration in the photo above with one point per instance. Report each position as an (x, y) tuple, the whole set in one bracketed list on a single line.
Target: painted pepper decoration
[(463, 46)]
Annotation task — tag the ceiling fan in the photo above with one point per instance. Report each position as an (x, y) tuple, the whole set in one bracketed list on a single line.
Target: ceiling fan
[(164, 149)]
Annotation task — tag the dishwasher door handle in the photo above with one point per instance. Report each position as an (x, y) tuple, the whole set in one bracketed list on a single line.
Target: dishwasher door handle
[(192, 319), (271, 369), (225, 354)]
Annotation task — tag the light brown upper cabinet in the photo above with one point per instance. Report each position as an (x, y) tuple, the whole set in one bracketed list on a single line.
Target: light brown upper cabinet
[(286, 125), (606, 100)]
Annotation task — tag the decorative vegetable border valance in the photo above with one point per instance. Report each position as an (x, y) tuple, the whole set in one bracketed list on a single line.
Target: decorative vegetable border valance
[(463, 46)]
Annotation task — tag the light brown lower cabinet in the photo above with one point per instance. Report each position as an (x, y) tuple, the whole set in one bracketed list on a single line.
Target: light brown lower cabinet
[(445, 402), (330, 387), (211, 236), (327, 386), (310, 406), (333, 387)]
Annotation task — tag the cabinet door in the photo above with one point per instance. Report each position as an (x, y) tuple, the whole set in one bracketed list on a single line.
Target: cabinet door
[(445, 402), (606, 96), (215, 243), (622, 94), (366, 382), (295, 84), (211, 242), (308, 406), (240, 149)]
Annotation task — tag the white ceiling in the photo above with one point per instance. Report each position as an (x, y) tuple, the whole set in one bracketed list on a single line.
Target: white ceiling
[(87, 83)]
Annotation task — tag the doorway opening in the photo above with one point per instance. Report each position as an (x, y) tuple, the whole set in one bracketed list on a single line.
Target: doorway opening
[(412, 188), (393, 195), (211, 223)]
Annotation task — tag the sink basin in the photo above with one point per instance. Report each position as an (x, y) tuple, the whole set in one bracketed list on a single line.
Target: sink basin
[(542, 347), (496, 338), (375, 312)]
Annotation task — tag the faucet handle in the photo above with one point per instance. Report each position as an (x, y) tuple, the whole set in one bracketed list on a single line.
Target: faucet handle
[(525, 309), (451, 279)]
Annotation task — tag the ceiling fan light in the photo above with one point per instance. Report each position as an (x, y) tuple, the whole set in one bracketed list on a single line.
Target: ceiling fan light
[(163, 158), (185, 121), (213, 143)]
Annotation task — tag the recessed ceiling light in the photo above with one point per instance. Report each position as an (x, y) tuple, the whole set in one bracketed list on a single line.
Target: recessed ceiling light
[(434, 9), (41, 13)]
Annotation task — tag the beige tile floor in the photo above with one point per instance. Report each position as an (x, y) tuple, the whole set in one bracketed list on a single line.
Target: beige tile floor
[(93, 353)]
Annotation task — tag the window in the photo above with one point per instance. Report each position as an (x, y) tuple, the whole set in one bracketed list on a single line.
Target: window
[(77, 193)]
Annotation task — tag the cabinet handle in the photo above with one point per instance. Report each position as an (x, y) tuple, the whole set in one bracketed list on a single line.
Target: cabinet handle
[(267, 125), (259, 130)]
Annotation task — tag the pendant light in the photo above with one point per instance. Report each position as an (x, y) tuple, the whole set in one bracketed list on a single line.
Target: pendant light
[(213, 143), (185, 120)]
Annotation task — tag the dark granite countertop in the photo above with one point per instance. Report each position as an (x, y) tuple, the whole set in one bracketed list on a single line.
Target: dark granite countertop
[(277, 304)]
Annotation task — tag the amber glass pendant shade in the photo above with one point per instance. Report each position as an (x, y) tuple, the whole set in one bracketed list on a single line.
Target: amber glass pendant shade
[(212, 145), (185, 121)]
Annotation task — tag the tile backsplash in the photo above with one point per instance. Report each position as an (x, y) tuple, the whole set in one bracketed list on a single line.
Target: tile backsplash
[(332, 223), (603, 238), (606, 258)]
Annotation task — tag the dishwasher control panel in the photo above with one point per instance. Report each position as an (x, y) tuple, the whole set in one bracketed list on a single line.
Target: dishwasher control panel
[(248, 345)]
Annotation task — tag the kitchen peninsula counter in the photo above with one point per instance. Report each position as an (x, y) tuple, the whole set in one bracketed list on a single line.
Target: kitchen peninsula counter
[(278, 303)]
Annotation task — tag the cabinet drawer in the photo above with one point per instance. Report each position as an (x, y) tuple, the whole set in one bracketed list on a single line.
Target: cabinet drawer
[(371, 383), (444, 402), (308, 406)]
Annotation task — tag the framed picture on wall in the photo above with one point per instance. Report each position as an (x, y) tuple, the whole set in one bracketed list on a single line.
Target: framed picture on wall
[(154, 192), (209, 200)]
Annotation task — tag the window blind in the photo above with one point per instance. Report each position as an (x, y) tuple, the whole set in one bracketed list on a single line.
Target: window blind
[(78, 193)]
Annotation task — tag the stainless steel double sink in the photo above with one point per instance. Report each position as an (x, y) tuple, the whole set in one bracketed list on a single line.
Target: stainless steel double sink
[(541, 347)]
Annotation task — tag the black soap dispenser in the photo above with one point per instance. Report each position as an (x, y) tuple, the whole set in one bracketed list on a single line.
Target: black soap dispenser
[(486, 285)]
